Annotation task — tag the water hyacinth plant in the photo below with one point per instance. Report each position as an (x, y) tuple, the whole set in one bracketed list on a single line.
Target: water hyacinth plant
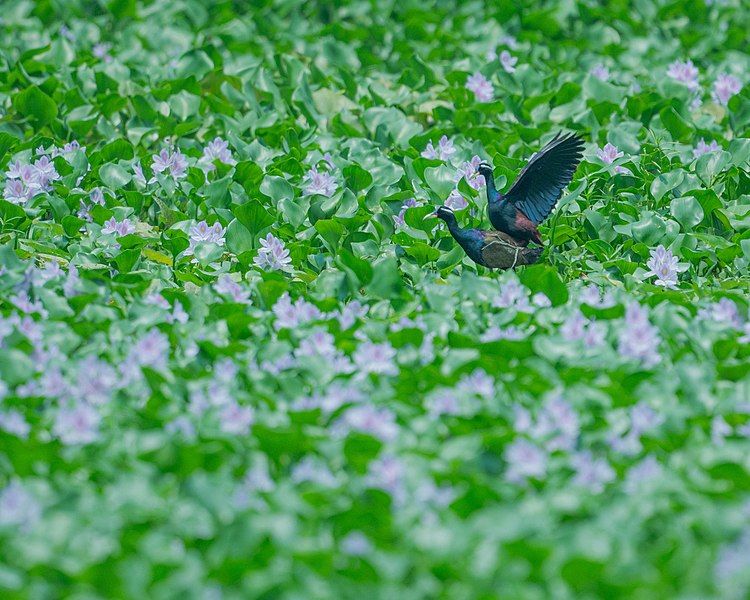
[(237, 362)]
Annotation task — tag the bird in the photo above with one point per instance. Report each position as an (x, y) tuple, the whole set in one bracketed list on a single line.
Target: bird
[(535, 192), (491, 249)]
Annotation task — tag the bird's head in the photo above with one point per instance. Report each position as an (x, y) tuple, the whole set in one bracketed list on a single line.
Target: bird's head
[(444, 213), (485, 170)]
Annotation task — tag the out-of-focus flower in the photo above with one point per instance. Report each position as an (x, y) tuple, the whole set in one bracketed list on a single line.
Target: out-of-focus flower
[(600, 71), (236, 419), (290, 315), (639, 339), (702, 148), (18, 508), (77, 424), (228, 287), (13, 422), (355, 543), (685, 73), (724, 88), (508, 61), (525, 460), (592, 473), (376, 358), (481, 87), (724, 311)]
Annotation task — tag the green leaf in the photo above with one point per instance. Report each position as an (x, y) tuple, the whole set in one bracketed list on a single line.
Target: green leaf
[(36, 105), (357, 179), (687, 211), (545, 279), (331, 231), (253, 216), (114, 176), (360, 267), (239, 237)]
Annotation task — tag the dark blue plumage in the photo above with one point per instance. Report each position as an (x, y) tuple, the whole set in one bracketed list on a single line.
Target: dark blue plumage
[(492, 249), (535, 192)]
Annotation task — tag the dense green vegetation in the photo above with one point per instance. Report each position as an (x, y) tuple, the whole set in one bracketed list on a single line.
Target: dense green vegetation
[(238, 363)]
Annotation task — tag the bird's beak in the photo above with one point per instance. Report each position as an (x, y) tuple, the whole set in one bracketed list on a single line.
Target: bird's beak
[(432, 215)]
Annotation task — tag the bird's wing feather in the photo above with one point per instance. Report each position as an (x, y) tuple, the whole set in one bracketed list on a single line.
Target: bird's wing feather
[(541, 182)]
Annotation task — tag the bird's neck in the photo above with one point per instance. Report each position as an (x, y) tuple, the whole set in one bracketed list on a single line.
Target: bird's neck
[(492, 194)]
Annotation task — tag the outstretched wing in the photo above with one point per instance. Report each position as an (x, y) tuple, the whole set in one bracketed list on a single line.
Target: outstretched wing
[(540, 184)]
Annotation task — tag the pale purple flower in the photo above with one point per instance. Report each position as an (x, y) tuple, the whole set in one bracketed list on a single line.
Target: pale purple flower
[(376, 358), (592, 473), (318, 343), (724, 88), (663, 266), (387, 473), (96, 390), (557, 423), (444, 151), (101, 51), (378, 422), (592, 296), (685, 73), (72, 282), (273, 255), (442, 402), (13, 422), (18, 507), (478, 383), (508, 61), (119, 228), (16, 192), (45, 172), (645, 471), (724, 311), (311, 470), (399, 218), (600, 71), (226, 286), (349, 314), (97, 196), (174, 162), (512, 295), (541, 300), (644, 418), (611, 153), (182, 426), (290, 315), (720, 429), (356, 543), (524, 460), (319, 182), (703, 148), (494, 333), (510, 41), (455, 201), (639, 339), (151, 350), (468, 170), (219, 150), (236, 419), (732, 565), (203, 233), (574, 327), (481, 87), (77, 424)]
